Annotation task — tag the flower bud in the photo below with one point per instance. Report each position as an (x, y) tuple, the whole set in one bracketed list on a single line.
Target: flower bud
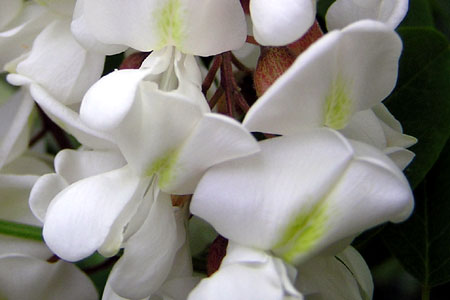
[(217, 252), (274, 61), (134, 61)]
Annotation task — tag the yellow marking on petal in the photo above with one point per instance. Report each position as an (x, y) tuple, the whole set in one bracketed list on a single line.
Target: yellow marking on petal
[(303, 232), (164, 167), (170, 23), (338, 105)]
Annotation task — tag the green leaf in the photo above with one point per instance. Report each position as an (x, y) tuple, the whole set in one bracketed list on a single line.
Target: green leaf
[(419, 14), (441, 15), (21, 230), (421, 244), (421, 99)]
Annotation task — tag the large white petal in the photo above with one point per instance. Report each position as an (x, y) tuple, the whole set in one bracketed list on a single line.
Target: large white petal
[(250, 200), (192, 26), (24, 277), (67, 73), (277, 23), (342, 73), (91, 214), (344, 12), (149, 253), (215, 139), (302, 193), (75, 165)]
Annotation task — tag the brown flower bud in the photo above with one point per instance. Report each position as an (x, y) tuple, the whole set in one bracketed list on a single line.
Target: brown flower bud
[(313, 34), (134, 61), (217, 252), (274, 61)]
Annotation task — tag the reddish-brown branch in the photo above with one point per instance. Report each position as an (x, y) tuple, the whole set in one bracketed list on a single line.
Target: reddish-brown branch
[(215, 65)]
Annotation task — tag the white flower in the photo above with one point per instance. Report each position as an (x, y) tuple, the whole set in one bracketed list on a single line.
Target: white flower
[(340, 74), (302, 193)]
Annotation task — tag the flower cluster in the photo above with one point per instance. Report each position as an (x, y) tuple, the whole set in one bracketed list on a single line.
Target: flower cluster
[(242, 113)]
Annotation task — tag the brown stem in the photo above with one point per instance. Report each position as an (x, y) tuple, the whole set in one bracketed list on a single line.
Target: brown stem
[(53, 259), (215, 65), (216, 97), (225, 80)]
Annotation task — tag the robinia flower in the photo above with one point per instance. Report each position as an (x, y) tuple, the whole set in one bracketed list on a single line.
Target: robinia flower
[(302, 193), (335, 83), (160, 122)]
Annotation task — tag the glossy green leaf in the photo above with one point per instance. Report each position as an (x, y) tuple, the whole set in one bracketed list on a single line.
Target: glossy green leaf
[(422, 243), (419, 14), (421, 99)]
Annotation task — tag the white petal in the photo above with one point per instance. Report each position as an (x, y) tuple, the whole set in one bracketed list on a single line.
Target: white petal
[(43, 192), (69, 120), (344, 12), (292, 18), (149, 253), (250, 200), (364, 126), (192, 26), (342, 73), (247, 279), (75, 165), (14, 134), (137, 116), (327, 278), (24, 277), (215, 139), (67, 73), (355, 262), (91, 213), (85, 37)]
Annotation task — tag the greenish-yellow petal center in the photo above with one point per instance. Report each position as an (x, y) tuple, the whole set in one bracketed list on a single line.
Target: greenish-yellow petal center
[(338, 105), (303, 232), (170, 23), (164, 167)]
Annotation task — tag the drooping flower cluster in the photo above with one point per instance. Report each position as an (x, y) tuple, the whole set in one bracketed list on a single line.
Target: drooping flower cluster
[(169, 135)]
